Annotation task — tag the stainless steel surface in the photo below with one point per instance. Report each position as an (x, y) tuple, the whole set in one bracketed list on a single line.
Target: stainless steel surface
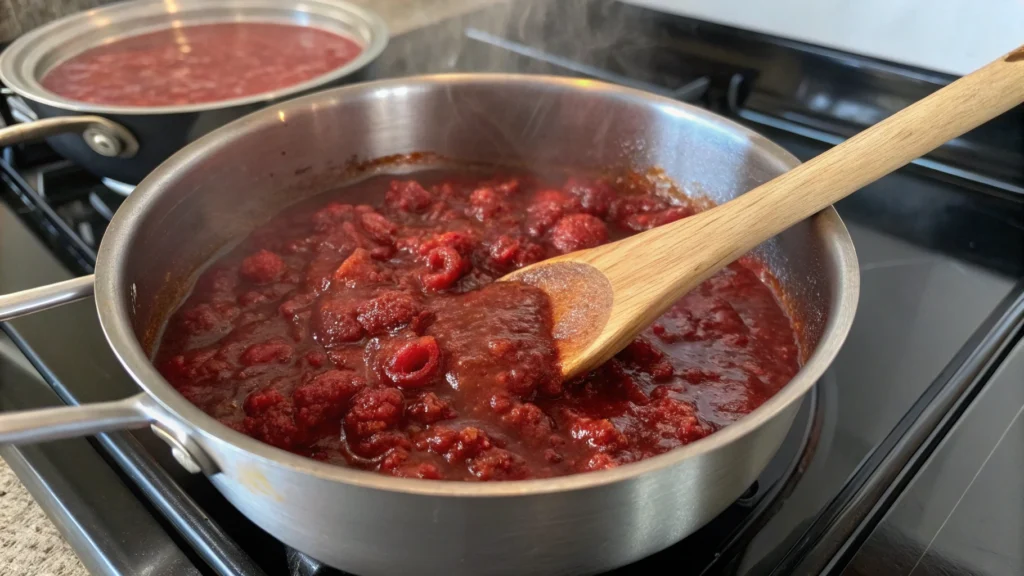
[(47, 424), (216, 189), (31, 56), (44, 297), (101, 135)]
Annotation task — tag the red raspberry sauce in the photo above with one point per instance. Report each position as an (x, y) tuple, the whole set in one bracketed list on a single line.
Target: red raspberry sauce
[(201, 63), (370, 335)]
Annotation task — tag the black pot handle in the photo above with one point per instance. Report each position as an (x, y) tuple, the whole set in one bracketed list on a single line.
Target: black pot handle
[(104, 137)]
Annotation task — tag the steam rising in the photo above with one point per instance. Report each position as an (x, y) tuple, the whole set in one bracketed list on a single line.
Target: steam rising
[(577, 38), (568, 37)]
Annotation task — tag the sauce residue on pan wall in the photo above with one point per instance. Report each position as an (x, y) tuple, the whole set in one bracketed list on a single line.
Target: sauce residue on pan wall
[(362, 328), (200, 63)]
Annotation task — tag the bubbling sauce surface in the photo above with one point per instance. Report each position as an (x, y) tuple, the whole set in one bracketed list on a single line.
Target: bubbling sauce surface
[(363, 329), (200, 63)]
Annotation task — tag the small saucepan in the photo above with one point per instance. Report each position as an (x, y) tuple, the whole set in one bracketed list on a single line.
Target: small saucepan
[(125, 143), (220, 187)]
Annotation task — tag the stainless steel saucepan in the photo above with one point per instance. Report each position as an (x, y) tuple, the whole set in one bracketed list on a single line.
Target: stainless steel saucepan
[(125, 143), (218, 188)]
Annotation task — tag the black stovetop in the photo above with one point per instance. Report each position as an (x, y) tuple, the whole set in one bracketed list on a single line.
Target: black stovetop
[(903, 459)]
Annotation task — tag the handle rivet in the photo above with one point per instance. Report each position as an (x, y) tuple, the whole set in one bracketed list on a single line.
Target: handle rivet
[(178, 451), (185, 460), (102, 142)]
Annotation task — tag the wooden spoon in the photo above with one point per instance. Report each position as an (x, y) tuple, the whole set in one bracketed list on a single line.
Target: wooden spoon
[(603, 297)]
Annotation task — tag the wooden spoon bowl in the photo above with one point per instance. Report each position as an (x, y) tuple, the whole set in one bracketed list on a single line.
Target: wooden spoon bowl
[(603, 297)]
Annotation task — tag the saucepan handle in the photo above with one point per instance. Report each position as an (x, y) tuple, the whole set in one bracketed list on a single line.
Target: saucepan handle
[(103, 136), (32, 426), (44, 297), (139, 411)]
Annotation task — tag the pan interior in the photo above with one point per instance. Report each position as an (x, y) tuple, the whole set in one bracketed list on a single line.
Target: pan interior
[(213, 192)]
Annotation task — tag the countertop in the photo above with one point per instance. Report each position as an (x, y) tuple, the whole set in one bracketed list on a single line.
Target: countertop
[(29, 542)]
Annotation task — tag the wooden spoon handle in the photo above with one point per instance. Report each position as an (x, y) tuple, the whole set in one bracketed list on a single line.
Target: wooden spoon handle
[(724, 233), (881, 149)]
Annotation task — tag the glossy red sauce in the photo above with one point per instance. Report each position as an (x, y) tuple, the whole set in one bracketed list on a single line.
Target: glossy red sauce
[(366, 332), (201, 63)]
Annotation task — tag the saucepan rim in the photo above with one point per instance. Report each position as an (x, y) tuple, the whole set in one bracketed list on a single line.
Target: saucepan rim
[(113, 300)]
